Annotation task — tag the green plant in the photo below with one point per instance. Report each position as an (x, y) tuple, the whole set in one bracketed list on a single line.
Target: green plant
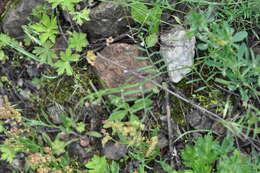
[(77, 41), (98, 165), (63, 65), (46, 29), (148, 15), (201, 157), (226, 56), (69, 5)]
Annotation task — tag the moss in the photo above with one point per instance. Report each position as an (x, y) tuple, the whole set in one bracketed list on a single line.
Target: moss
[(65, 90)]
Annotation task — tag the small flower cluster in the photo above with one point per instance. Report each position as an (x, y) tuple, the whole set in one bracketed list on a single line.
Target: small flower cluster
[(131, 130)]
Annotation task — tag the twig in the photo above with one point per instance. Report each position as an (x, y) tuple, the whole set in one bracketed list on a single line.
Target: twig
[(170, 133), (202, 109)]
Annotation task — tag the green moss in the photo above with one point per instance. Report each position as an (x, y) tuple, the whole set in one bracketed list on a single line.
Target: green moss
[(65, 90)]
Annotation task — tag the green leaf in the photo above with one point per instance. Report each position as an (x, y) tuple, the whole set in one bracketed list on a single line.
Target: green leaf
[(65, 4), (200, 157), (94, 134), (151, 40), (45, 53), (222, 81), (239, 36), (202, 46), (166, 167), (77, 41), (47, 28), (235, 164), (97, 165), (63, 65), (80, 127), (81, 16), (139, 12), (117, 115), (8, 153), (114, 167), (58, 146)]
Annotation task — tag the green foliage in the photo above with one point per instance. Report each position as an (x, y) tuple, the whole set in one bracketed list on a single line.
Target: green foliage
[(233, 60), (98, 165), (81, 16), (77, 41), (45, 53), (65, 4), (202, 155), (69, 5), (8, 152), (236, 163), (63, 64), (207, 151), (47, 28), (144, 15), (123, 108)]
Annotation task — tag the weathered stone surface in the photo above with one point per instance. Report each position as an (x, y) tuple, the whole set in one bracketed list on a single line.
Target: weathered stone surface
[(199, 121), (124, 54), (55, 113), (16, 17), (107, 19), (78, 152), (115, 151), (178, 51)]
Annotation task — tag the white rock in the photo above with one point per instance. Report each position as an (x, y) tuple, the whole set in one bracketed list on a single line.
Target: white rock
[(178, 51)]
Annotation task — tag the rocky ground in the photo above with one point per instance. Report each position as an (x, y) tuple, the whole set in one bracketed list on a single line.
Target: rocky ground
[(28, 86)]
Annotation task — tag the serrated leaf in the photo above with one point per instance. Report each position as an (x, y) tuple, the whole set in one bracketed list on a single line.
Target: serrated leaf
[(97, 165), (81, 16), (77, 41)]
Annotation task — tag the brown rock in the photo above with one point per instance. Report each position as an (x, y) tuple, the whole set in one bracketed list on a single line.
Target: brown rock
[(114, 76)]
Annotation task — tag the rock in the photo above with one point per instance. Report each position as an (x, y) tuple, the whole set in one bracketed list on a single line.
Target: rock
[(16, 17), (198, 121), (54, 113), (107, 19), (115, 151), (178, 51), (162, 141), (114, 76), (78, 152)]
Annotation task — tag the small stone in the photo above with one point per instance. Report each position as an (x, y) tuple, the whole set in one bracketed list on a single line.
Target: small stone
[(198, 121), (125, 55), (84, 141), (162, 141), (115, 151), (178, 51), (77, 152), (107, 19), (26, 94), (218, 128), (54, 113), (16, 17)]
